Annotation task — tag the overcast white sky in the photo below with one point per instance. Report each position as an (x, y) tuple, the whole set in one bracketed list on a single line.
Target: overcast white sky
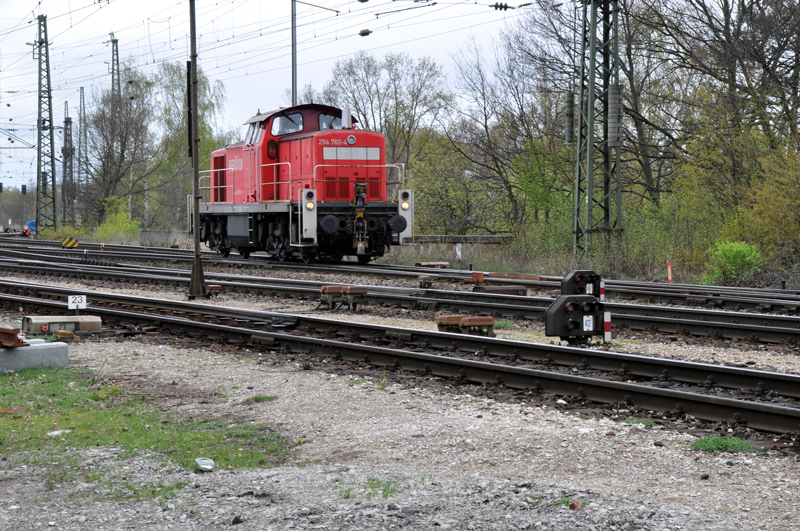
[(246, 44)]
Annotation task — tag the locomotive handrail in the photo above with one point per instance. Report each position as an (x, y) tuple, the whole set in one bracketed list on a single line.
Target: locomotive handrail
[(399, 165), (275, 183), (386, 181), (206, 190)]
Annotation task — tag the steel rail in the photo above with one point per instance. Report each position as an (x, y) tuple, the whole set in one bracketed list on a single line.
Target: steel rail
[(692, 321), (631, 365), (760, 298), (761, 416)]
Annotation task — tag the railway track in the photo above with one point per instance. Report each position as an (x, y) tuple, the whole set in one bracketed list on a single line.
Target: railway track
[(734, 298), (740, 397), (786, 300), (767, 328)]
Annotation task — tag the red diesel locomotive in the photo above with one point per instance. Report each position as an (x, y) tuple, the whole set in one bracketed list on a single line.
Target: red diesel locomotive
[(305, 184)]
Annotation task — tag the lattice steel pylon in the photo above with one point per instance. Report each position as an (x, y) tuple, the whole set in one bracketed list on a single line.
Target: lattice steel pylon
[(83, 170), (67, 182), (45, 149), (597, 199), (115, 84)]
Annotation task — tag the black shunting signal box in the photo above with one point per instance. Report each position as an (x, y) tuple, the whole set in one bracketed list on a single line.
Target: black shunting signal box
[(575, 316), (581, 282)]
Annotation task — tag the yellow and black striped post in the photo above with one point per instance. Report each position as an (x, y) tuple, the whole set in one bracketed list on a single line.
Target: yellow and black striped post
[(69, 243)]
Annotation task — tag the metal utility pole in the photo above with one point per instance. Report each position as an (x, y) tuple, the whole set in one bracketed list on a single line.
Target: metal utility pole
[(197, 286), (294, 53), (294, 44), (45, 155), (597, 203), (67, 184)]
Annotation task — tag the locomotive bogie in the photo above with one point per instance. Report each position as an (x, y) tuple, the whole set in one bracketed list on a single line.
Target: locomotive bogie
[(302, 185)]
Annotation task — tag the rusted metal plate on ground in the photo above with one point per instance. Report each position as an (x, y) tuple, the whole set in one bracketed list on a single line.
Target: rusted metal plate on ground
[(9, 337), (514, 276), (449, 320), (502, 290), (332, 290), (356, 290), (213, 288), (477, 321)]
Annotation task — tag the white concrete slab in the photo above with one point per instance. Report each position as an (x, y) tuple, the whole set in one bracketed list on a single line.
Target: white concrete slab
[(38, 354)]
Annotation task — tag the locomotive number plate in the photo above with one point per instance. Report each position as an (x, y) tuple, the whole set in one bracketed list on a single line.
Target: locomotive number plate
[(332, 142)]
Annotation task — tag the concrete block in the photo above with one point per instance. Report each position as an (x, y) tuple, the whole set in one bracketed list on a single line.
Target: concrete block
[(38, 354)]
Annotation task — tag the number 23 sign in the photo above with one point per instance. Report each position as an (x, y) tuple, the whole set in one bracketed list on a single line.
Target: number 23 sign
[(76, 302)]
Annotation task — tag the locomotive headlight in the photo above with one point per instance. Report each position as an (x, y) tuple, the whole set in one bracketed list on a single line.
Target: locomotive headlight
[(405, 205), (310, 205)]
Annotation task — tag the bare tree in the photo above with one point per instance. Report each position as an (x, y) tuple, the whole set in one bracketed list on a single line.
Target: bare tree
[(396, 96), (544, 48), (121, 143), (478, 133), (748, 50), (162, 196)]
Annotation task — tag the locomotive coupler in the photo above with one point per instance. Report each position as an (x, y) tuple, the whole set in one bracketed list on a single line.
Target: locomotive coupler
[(361, 233), (359, 202)]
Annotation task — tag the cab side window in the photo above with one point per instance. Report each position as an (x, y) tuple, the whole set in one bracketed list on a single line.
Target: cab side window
[(327, 121), (289, 123)]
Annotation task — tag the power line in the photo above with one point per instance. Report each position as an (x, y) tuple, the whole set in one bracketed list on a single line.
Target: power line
[(251, 48)]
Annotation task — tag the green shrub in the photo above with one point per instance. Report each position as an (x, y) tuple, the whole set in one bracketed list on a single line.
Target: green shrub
[(732, 263), (63, 232), (117, 228)]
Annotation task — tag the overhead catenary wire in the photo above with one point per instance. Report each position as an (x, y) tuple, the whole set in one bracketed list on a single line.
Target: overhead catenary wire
[(255, 48)]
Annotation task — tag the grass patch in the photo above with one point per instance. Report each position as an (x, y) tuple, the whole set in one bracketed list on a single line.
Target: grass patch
[(386, 487), (127, 491), (729, 443), (104, 393), (644, 422), (533, 502), (503, 325), (258, 399), (63, 399), (383, 381)]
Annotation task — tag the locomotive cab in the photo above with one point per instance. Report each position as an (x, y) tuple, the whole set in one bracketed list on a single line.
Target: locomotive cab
[(305, 183)]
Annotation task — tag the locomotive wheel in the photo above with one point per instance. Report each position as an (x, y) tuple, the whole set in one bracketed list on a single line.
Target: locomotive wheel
[(364, 258), (226, 252), (282, 253), (244, 253), (308, 258)]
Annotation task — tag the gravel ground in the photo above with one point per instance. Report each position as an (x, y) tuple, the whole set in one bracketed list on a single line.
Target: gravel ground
[(456, 460)]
